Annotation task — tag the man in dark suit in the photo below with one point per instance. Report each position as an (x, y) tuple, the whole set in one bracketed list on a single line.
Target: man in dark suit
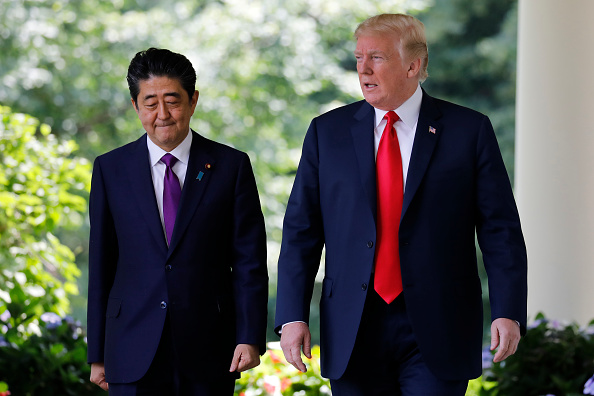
[(178, 284), (396, 187)]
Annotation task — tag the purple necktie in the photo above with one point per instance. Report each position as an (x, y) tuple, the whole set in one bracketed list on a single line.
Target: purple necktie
[(171, 195)]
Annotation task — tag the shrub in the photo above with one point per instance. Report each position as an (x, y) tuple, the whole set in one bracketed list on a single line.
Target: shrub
[(50, 361), (552, 359)]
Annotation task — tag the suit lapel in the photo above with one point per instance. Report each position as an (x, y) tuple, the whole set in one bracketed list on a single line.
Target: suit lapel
[(362, 133), (200, 166), (426, 137), (141, 180)]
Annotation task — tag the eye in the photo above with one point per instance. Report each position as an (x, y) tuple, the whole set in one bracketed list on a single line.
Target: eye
[(150, 106)]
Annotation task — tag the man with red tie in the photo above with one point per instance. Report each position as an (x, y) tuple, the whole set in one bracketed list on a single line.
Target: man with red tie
[(395, 188), (178, 283)]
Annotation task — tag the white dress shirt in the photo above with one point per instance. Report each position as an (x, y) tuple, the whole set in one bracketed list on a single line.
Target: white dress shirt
[(405, 127), (182, 153)]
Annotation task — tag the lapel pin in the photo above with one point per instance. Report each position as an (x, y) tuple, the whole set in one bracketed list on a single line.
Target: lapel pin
[(207, 166), (432, 130), (200, 174)]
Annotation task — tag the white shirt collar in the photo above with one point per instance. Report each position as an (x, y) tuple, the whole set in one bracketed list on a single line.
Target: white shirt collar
[(181, 152), (408, 111)]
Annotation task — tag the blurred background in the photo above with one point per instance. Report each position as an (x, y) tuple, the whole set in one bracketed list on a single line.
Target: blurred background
[(265, 69)]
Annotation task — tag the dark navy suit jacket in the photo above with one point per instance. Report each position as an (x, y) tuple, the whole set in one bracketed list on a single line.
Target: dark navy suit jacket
[(456, 185), (212, 280)]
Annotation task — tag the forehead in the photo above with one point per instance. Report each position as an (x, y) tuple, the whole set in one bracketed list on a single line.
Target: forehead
[(385, 42), (160, 86)]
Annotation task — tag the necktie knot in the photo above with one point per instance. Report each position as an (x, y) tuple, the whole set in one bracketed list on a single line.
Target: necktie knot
[(169, 160), (391, 117)]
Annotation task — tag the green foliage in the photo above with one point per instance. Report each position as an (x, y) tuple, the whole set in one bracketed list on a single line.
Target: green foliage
[(552, 359), (52, 361), (42, 188), (472, 60), (4, 389), (275, 377)]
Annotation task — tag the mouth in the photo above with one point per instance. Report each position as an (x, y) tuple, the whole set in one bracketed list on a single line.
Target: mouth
[(370, 85)]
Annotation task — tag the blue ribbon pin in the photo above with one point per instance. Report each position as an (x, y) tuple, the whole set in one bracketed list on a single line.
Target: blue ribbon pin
[(200, 174)]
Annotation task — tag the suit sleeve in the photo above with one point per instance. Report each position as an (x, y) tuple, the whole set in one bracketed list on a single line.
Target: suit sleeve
[(103, 256), (303, 238), (499, 232), (249, 271)]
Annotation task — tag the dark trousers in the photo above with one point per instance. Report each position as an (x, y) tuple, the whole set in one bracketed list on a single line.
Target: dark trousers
[(386, 360), (164, 378)]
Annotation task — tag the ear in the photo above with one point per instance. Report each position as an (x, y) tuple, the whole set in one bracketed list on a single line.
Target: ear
[(194, 101), (414, 68), (134, 105)]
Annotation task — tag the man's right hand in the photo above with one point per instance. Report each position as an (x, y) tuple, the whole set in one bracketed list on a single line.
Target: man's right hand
[(98, 375), (294, 336)]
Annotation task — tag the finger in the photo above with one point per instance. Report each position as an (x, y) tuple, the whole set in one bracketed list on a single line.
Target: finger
[(293, 356), (235, 361), (297, 362), (244, 363), (307, 347), (502, 352), (494, 337), (248, 364)]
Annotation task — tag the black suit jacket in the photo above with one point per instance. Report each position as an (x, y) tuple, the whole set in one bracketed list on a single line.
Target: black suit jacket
[(456, 186), (212, 280)]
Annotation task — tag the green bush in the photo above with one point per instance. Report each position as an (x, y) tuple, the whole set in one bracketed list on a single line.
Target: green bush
[(552, 359), (43, 189), (50, 361)]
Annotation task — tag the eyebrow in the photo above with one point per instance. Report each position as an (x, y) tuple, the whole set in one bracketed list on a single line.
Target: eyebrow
[(370, 52), (174, 94)]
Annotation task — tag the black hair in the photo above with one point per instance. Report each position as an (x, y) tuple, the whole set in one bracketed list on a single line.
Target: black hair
[(156, 62)]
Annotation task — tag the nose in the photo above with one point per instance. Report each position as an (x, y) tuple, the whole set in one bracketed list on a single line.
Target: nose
[(163, 112), (363, 66)]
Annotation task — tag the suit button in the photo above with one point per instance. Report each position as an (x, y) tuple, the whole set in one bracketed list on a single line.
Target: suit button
[(163, 304), (364, 286), (168, 267), (370, 244)]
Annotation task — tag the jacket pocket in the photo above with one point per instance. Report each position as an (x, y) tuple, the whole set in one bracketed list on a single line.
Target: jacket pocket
[(114, 306)]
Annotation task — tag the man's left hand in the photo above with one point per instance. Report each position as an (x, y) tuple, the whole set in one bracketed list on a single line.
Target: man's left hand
[(505, 334), (246, 356)]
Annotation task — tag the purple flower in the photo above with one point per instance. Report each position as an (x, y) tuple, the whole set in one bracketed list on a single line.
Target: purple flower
[(51, 320), (3, 342), (589, 387), (5, 316), (555, 324), (589, 330), (536, 323), (487, 358)]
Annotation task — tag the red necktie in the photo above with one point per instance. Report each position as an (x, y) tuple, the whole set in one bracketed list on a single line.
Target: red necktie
[(388, 280), (171, 195)]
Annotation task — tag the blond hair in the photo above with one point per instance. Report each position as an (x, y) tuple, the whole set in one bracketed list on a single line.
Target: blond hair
[(409, 30)]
